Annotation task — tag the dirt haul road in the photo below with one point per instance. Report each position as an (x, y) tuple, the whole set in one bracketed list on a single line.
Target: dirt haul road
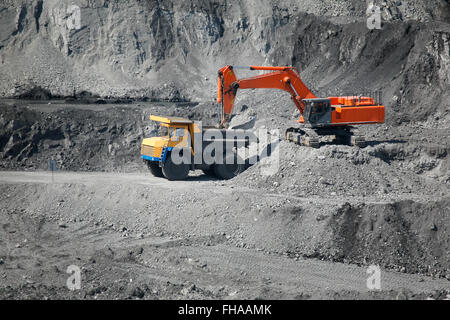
[(118, 230)]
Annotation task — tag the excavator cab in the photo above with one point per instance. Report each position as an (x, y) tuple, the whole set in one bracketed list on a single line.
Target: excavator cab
[(317, 111)]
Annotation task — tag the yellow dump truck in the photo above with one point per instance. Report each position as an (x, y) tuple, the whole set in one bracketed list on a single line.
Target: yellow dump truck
[(183, 145)]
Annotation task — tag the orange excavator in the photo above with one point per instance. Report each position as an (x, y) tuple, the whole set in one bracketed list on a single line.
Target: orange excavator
[(332, 116)]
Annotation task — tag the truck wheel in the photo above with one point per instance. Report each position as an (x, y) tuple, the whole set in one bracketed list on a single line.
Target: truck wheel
[(155, 169), (228, 171), (174, 171)]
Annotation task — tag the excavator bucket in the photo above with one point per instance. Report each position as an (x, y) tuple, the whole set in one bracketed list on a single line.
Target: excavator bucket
[(226, 93)]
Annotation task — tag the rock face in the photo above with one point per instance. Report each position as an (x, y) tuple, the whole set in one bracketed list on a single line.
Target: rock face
[(173, 49), (97, 137)]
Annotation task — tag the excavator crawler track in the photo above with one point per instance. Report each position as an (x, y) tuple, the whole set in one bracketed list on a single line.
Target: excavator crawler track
[(350, 136), (310, 137), (304, 137)]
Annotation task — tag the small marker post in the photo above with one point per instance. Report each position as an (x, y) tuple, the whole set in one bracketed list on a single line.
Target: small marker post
[(52, 168)]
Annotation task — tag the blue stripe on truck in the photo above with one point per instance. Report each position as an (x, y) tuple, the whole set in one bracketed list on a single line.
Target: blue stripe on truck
[(150, 158)]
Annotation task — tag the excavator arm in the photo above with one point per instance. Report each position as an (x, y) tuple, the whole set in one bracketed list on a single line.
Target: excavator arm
[(283, 78)]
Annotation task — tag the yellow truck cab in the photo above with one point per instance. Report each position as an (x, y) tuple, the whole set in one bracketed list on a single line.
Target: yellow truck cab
[(172, 134), (177, 136)]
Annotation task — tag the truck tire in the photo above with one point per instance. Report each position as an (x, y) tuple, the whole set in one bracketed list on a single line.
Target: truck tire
[(174, 171), (209, 172), (155, 169), (228, 171)]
